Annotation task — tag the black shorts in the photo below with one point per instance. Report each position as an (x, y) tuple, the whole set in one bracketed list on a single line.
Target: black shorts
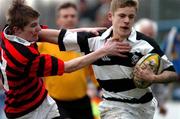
[(77, 109)]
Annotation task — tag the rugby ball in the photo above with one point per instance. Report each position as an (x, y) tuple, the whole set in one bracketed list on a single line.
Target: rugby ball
[(155, 63)]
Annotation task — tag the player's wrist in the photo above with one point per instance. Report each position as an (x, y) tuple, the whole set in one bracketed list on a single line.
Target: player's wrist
[(101, 52), (154, 78)]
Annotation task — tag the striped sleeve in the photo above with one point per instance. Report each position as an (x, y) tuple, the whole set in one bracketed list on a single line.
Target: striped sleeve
[(46, 65), (167, 65), (75, 41)]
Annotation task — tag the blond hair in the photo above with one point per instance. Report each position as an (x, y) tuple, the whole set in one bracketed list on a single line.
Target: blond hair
[(115, 4)]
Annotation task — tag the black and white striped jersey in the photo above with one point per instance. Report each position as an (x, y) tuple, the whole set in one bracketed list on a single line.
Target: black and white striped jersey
[(114, 73)]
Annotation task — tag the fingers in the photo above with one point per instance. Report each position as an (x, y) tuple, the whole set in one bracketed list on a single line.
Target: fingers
[(138, 68), (143, 72), (145, 65), (120, 55), (125, 49), (122, 45), (138, 72), (121, 51), (95, 32), (99, 28), (118, 47)]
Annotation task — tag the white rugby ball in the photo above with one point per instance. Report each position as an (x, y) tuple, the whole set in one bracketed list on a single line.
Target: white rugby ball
[(155, 63)]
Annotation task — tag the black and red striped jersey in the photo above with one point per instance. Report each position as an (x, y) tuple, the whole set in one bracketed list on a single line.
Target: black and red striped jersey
[(22, 67)]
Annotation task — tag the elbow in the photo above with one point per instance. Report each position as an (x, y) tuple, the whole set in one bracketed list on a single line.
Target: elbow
[(68, 71), (175, 76), (179, 77), (69, 67)]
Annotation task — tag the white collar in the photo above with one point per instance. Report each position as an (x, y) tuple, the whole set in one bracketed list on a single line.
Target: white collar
[(132, 36), (16, 38)]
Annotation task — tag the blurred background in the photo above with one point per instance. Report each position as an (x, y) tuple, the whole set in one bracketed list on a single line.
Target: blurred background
[(165, 13)]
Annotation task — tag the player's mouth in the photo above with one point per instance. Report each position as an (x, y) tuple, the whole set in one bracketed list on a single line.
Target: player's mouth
[(125, 28), (35, 35)]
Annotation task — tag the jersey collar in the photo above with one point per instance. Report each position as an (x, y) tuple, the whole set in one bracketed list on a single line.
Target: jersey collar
[(108, 33), (16, 39)]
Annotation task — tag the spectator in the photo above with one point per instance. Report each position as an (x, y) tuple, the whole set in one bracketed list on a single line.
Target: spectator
[(74, 105), (147, 27), (102, 16)]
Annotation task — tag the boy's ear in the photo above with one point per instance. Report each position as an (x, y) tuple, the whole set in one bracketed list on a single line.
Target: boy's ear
[(17, 30), (110, 16)]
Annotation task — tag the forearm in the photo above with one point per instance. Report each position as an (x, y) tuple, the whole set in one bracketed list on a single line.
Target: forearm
[(79, 29), (49, 35), (165, 77), (1, 84), (80, 62)]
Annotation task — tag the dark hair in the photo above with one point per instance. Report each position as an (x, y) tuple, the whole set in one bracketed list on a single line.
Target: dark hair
[(20, 15), (67, 5)]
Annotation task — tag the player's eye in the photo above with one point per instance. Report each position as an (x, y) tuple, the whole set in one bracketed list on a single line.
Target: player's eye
[(33, 25)]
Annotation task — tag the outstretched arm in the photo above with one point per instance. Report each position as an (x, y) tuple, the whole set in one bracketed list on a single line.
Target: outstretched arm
[(46, 65), (110, 48), (51, 35), (1, 85)]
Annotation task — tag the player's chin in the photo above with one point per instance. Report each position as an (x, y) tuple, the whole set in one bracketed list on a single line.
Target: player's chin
[(125, 33), (35, 39)]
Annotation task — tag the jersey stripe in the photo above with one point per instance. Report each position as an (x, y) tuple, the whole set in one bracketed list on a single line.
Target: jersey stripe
[(23, 67), (55, 63), (60, 41), (40, 71), (117, 85), (123, 61), (83, 44), (114, 73), (9, 56), (25, 51)]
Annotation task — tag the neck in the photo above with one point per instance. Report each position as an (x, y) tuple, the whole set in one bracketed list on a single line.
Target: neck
[(19, 35), (119, 37)]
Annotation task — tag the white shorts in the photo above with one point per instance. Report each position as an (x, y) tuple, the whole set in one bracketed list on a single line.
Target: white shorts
[(47, 110), (120, 110)]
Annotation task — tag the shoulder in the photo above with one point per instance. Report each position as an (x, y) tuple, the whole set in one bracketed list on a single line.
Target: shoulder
[(143, 37), (22, 52), (151, 42)]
